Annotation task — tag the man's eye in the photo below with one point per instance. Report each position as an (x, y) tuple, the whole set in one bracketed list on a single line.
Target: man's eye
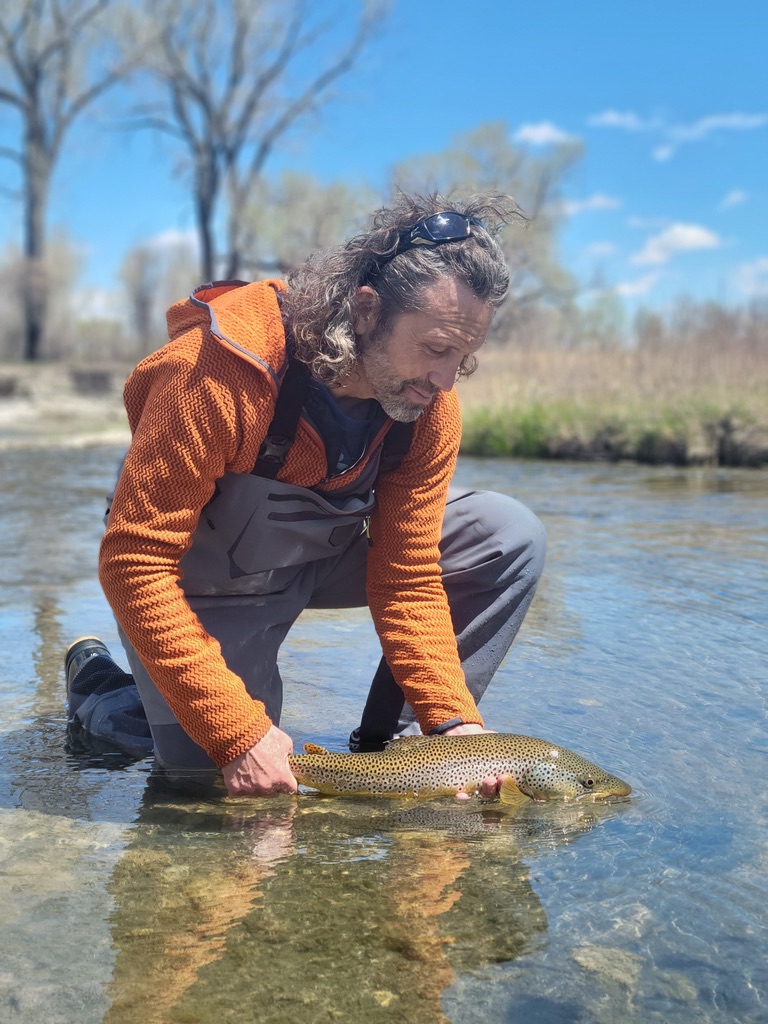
[(435, 351)]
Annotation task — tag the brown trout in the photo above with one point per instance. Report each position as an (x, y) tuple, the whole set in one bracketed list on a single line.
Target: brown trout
[(444, 765)]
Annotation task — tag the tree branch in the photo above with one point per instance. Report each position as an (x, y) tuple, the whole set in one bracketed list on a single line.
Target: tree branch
[(6, 96), (304, 102), (69, 29), (10, 45), (12, 154)]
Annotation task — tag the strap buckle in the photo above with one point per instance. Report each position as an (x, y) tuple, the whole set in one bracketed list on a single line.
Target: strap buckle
[(274, 448)]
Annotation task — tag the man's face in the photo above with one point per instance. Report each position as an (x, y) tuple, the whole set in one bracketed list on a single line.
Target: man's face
[(420, 354)]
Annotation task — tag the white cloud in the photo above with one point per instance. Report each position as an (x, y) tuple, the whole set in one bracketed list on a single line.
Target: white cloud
[(626, 119), (544, 133), (172, 238), (598, 201), (663, 153), (751, 279), (598, 249), (640, 286), (705, 126), (735, 197), (673, 136), (676, 238)]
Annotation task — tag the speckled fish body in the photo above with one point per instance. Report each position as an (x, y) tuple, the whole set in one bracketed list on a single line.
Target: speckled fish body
[(443, 765)]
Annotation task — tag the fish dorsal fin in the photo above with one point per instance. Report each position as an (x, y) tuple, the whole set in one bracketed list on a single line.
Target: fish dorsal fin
[(401, 742), (314, 748), (510, 792)]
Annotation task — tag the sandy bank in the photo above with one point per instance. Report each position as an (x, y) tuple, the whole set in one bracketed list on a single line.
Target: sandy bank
[(53, 403)]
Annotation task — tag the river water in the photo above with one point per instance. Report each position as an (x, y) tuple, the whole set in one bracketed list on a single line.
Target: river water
[(646, 649)]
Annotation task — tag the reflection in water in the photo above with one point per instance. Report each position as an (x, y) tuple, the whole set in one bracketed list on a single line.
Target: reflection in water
[(47, 655), (179, 895), (350, 908), (645, 648)]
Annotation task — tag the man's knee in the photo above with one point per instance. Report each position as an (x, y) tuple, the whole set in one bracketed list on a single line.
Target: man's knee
[(485, 526)]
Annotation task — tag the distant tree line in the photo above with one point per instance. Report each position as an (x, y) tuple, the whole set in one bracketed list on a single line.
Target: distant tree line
[(227, 81)]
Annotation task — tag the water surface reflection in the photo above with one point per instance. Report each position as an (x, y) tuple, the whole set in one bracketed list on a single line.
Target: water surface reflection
[(645, 649), (321, 909)]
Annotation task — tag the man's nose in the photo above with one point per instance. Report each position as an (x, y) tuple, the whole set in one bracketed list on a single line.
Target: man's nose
[(443, 378)]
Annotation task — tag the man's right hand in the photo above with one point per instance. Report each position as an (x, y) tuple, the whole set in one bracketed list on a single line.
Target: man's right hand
[(263, 770)]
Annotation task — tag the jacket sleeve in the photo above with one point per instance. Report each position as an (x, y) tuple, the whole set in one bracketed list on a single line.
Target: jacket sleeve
[(186, 434), (405, 593)]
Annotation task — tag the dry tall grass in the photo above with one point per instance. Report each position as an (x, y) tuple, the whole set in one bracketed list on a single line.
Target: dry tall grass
[(684, 403)]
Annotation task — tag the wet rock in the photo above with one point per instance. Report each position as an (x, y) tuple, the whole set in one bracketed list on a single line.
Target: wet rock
[(677, 987), (611, 965)]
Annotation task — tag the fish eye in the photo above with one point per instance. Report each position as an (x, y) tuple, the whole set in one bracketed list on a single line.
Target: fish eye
[(589, 781)]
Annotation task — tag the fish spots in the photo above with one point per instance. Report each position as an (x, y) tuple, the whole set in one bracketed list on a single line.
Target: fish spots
[(442, 765)]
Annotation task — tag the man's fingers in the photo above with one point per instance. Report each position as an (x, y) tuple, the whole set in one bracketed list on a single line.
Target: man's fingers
[(487, 790)]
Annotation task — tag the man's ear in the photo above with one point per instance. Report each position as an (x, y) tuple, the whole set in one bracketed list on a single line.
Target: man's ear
[(365, 310)]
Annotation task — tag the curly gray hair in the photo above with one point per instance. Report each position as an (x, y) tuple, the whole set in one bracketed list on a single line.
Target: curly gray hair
[(319, 308)]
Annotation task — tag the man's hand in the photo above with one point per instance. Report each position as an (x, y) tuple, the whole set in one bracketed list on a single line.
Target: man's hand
[(491, 784), (465, 730), (263, 770)]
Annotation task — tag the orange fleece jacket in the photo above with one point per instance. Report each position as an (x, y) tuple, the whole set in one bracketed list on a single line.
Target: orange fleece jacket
[(200, 407)]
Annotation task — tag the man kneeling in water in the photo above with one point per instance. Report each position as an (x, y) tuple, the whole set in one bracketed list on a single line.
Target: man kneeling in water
[(292, 447)]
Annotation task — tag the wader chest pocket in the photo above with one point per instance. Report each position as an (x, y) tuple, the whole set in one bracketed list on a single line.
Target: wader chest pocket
[(256, 534)]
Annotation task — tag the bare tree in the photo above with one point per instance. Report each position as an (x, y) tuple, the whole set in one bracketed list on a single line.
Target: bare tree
[(62, 263), (285, 220), (155, 274), (139, 273), (55, 60), (239, 74)]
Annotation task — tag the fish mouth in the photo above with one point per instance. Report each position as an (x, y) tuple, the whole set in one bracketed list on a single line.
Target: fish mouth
[(578, 798), (614, 797), (611, 790)]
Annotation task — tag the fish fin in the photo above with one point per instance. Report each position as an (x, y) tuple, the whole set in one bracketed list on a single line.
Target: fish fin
[(313, 748), (510, 792), (400, 742)]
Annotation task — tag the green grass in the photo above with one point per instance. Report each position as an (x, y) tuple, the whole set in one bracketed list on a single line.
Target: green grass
[(692, 432)]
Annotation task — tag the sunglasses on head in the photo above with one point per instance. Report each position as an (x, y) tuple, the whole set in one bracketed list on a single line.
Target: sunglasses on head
[(436, 229), (448, 226)]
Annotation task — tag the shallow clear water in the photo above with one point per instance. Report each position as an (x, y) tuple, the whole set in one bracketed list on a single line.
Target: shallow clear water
[(646, 649)]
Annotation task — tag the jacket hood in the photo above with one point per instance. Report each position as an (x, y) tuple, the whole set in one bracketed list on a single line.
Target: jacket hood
[(245, 318)]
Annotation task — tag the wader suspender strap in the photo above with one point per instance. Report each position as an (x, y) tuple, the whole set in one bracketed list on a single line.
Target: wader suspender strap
[(396, 445), (282, 429)]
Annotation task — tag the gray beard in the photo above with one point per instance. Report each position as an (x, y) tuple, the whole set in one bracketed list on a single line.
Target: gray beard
[(397, 407)]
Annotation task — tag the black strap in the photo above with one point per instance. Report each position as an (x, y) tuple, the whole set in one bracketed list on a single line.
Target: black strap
[(396, 445), (282, 430)]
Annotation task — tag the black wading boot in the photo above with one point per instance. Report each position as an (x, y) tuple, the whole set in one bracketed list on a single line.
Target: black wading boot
[(104, 710)]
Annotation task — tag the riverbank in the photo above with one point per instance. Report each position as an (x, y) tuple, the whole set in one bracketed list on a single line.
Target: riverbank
[(674, 407), (55, 402), (679, 406)]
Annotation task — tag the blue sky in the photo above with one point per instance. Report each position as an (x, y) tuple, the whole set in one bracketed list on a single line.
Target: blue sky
[(670, 101)]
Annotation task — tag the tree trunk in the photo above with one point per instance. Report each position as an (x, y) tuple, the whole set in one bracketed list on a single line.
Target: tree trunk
[(206, 190), (205, 233), (237, 202), (36, 184)]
